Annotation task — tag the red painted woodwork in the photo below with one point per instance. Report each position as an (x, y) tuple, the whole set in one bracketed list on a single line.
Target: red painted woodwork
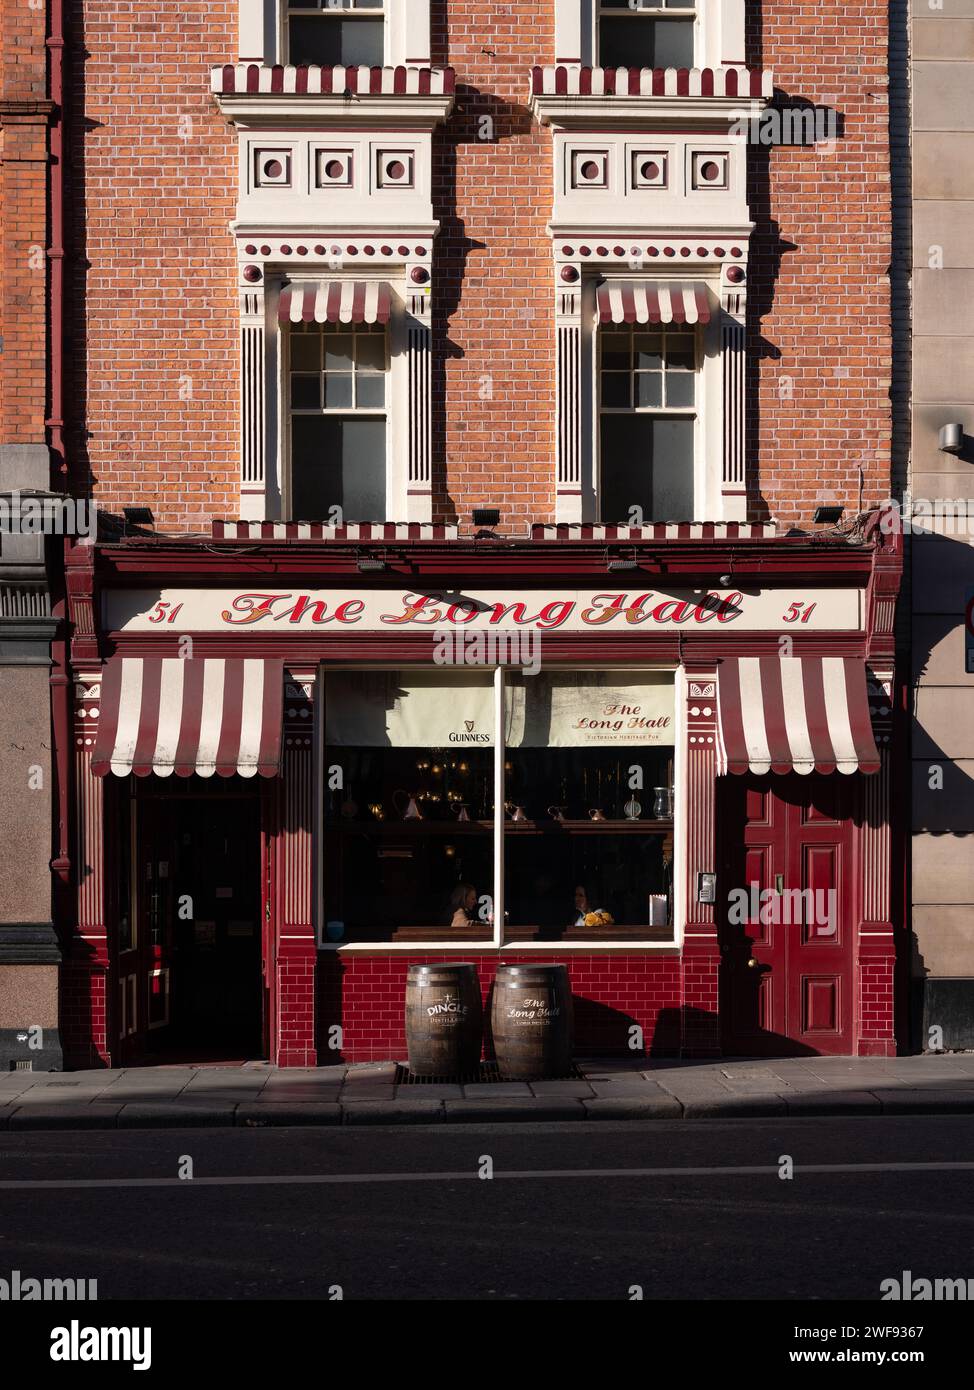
[(786, 970)]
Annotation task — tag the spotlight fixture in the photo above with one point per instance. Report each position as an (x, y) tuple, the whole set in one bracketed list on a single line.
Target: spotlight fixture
[(952, 439), (370, 564), (486, 516), (138, 516), (726, 580), (614, 563), (827, 516)]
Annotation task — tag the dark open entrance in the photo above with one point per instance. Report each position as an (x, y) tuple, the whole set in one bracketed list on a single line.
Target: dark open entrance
[(188, 924)]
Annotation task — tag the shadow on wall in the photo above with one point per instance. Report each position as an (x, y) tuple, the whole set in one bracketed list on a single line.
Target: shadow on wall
[(942, 789)]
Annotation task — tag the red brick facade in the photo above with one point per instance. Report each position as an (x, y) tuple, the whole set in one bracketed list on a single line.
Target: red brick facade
[(24, 115), (155, 340)]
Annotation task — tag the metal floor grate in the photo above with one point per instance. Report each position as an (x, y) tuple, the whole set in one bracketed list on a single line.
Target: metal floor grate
[(488, 1072)]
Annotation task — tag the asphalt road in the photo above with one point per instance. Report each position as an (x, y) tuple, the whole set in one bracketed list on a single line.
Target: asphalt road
[(402, 1214)]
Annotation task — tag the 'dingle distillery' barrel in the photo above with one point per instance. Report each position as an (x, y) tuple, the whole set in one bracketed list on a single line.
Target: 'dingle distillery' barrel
[(443, 1020), (531, 1021)]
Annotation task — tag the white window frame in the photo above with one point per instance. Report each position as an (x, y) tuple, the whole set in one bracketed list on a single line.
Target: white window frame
[(335, 10), (648, 10), (683, 412), (358, 412), (396, 408), (263, 31), (497, 944), (708, 406), (719, 38)]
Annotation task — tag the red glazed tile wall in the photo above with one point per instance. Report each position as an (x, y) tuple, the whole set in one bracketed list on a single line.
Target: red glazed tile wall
[(612, 994)]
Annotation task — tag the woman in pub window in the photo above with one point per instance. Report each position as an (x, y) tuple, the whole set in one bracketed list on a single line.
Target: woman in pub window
[(463, 901)]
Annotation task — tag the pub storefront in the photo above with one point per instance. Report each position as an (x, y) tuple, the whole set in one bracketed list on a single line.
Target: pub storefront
[(661, 756)]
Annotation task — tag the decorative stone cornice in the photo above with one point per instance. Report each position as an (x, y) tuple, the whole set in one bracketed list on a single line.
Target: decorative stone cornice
[(259, 94), (569, 95)]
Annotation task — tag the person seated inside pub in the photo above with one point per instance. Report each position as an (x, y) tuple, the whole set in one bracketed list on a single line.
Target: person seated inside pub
[(463, 905)]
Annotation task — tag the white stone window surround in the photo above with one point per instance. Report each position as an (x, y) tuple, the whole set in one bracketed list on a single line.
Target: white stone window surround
[(719, 485), (719, 37), (265, 407), (707, 409), (263, 30)]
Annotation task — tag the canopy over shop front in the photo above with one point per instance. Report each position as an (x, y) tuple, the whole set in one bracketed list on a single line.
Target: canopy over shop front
[(794, 714), (206, 715)]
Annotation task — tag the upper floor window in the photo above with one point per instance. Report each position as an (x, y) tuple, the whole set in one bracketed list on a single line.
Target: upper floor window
[(331, 32), (646, 33), (337, 379), (648, 423)]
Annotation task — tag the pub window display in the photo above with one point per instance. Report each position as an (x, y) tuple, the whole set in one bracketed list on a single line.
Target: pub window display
[(408, 838)]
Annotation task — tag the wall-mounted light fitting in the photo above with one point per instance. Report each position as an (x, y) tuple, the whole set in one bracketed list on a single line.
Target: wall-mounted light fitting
[(952, 438)]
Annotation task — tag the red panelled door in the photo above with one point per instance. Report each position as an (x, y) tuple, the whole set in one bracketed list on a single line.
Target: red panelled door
[(787, 935)]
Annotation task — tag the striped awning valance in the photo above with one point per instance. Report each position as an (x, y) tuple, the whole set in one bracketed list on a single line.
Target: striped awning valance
[(794, 714), (204, 715), (653, 301), (336, 301)]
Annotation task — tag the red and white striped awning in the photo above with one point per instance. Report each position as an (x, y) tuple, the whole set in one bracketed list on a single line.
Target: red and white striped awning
[(794, 714), (653, 301), (205, 715), (336, 301)]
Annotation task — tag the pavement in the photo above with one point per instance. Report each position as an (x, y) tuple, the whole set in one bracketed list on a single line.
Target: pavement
[(258, 1095)]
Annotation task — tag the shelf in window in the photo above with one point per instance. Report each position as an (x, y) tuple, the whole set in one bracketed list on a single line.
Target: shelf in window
[(450, 829)]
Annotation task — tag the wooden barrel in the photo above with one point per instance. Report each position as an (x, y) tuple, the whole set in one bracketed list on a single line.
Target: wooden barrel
[(531, 1021), (443, 1020)]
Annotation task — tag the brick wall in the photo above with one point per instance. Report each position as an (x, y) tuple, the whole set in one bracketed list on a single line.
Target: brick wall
[(23, 222), (819, 294), (155, 346)]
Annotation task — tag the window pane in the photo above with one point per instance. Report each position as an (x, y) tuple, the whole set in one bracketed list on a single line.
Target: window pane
[(674, 43), (679, 389), (646, 462), (649, 389), (338, 352), (680, 351), (306, 392), (615, 390), (338, 391), (569, 755), (338, 462), (370, 390), (305, 352), (415, 749), (615, 350), (370, 350), (648, 351), (328, 40), (642, 42)]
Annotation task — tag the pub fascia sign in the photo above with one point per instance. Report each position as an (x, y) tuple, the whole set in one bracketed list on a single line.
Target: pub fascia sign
[(390, 610)]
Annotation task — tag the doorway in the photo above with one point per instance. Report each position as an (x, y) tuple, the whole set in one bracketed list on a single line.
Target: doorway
[(786, 934), (189, 943)]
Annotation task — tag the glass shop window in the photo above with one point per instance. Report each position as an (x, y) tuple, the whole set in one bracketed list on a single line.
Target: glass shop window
[(589, 829), (408, 836), (409, 812)]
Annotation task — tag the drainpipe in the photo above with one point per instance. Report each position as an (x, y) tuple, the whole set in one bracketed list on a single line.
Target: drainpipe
[(60, 673)]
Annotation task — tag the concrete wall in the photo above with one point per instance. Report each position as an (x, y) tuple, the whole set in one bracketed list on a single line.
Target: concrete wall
[(942, 555)]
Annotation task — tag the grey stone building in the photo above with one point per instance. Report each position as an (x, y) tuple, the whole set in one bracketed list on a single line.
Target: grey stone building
[(941, 503)]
